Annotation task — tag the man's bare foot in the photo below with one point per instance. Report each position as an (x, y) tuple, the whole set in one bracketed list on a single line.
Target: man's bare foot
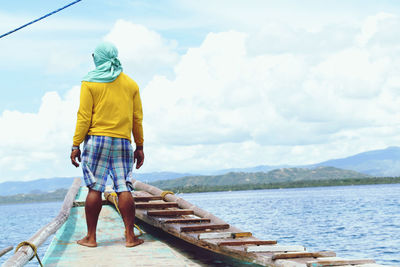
[(135, 242), (86, 242)]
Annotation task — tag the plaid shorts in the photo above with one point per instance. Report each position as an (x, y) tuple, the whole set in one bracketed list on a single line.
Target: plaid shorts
[(105, 156)]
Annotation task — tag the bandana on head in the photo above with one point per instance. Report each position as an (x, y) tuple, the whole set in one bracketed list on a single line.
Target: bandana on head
[(107, 64)]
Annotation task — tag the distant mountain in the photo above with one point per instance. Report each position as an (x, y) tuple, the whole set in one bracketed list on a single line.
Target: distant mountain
[(35, 186), (383, 162), (155, 176), (274, 176), (260, 168), (52, 184), (380, 163)]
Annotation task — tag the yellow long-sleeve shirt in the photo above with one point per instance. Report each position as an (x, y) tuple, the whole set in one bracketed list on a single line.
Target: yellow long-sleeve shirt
[(110, 109)]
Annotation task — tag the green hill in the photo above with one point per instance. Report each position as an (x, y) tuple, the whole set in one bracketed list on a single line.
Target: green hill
[(283, 175)]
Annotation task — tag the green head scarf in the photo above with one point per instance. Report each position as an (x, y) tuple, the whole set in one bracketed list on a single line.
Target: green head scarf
[(107, 64)]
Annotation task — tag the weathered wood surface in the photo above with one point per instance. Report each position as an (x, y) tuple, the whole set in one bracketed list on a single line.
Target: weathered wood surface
[(274, 248), (291, 255), (25, 253), (169, 213), (321, 262), (204, 227), (5, 250), (247, 242), (111, 250), (210, 239), (146, 198), (156, 205), (187, 220)]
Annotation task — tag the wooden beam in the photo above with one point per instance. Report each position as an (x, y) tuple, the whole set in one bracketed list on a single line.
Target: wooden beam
[(223, 235), (188, 220), (25, 253), (146, 199), (194, 228), (273, 248), (247, 242), (160, 205), (338, 262), (169, 213), (292, 255)]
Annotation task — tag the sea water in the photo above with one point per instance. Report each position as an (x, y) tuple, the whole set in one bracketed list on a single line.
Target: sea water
[(353, 221)]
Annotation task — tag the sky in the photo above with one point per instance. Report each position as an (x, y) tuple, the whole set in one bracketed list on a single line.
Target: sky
[(224, 84)]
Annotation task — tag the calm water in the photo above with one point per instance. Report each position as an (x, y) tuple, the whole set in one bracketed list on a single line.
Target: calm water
[(353, 221)]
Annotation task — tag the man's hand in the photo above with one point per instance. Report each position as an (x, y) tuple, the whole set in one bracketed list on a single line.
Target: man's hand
[(138, 157), (76, 153)]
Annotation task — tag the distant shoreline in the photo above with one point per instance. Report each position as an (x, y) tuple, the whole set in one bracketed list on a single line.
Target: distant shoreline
[(59, 194), (296, 184)]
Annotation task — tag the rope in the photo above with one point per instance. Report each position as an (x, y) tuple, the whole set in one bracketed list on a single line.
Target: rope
[(164, 193), (114, 197), (36, 20), (34, 248)]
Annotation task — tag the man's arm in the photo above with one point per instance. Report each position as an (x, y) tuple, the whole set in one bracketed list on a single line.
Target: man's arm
[(137, 130), (84, 118)]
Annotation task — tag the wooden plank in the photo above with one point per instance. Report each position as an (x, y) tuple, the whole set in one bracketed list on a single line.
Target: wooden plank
[(146, 199), (168, 213), (187, 220), (215, 235), (292, 255), (160, 205), (194, 228), (338, 262), (223, 235), (247, 242), (273, 248)]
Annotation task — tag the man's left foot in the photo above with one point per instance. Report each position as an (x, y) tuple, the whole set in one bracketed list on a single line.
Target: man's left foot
[(134, 243)]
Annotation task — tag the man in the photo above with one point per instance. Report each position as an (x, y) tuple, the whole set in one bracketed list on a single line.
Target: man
[(110, 110)]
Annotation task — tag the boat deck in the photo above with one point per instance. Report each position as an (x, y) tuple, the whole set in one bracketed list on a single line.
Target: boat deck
[(111, 250)]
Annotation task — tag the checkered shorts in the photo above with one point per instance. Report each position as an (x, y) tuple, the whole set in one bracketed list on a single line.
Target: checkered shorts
[(105, 156)]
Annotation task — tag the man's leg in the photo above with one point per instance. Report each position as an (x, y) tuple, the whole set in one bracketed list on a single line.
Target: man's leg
[(92, 211), (126, 205)]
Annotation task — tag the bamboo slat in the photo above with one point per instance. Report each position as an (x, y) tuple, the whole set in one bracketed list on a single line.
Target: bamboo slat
[(146, 199), (160, 205), (24, 254), (273, 248), (5, 250), (247, 242), (187, 220), (183, 204), (293, 255), (169, 213), (204, 227), (338, 262)]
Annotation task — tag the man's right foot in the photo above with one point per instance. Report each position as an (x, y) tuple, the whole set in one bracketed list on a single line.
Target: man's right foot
[(85, 242)]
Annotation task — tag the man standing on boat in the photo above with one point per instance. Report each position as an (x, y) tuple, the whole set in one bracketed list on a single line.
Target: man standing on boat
[(110, 110)]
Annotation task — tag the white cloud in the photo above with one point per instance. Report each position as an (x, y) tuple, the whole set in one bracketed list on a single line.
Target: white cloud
[(38, 143), (231, 103), (143, 52)]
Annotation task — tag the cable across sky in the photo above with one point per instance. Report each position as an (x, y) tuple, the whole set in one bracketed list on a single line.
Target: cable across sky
[(36, 20)]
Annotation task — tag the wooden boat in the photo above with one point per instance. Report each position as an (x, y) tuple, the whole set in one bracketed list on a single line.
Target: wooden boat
[(170, 217)]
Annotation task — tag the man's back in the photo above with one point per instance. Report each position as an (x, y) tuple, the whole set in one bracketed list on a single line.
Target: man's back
[(110, 108)]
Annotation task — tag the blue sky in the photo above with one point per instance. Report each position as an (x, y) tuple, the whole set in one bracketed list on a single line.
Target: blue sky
[(224, 83)]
